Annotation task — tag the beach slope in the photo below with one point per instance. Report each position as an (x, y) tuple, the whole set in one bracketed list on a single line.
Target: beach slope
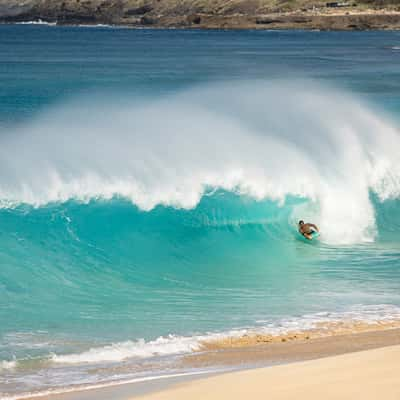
[(368, 375)]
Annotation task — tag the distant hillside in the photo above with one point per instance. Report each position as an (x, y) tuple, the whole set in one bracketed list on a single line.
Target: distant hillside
[(278, 14)]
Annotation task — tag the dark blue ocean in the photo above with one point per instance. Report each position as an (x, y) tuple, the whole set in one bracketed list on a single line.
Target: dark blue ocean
[(151, 182)]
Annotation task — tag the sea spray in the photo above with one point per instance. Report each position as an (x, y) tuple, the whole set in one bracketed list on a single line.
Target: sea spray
[(265, 140)]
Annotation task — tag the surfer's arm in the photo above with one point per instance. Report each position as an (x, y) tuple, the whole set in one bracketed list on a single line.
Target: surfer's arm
[(315, 227)]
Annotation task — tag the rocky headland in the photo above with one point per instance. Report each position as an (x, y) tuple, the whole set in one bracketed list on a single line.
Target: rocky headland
[(209, 14)]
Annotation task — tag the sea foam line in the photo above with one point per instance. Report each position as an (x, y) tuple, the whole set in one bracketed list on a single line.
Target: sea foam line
[(36, 22), (107, 384), (323, 323), (8, 365)]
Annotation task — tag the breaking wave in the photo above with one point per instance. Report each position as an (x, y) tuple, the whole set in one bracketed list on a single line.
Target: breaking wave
[(268, 141)]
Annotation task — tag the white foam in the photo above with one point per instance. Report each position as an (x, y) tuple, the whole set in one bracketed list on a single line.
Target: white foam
[(102, 26), (371, 314), (265, 140), (78, 388), (36, 22), (179, 345), (8, 365), (132, 349), (174, 345)]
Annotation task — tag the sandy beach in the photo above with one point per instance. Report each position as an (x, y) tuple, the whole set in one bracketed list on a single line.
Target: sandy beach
[(368, 374), (340, 366)]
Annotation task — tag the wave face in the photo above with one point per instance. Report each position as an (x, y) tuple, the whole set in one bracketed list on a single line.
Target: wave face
[(130, 229), (268, 141)]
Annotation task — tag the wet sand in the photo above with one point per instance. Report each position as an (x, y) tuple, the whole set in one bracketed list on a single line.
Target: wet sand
[(299, 349), (313, 347)]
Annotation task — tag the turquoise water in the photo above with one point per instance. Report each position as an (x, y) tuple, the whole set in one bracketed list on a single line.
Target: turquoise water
[(151, 182)]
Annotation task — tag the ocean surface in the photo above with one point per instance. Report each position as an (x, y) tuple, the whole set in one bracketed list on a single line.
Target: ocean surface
[(151, 182)]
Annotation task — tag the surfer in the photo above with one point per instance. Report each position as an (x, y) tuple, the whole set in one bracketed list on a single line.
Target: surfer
[(307, 229)]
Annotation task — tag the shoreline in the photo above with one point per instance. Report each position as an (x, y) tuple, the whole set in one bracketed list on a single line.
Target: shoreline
[(221, 361), (304, 347), (347, 19)]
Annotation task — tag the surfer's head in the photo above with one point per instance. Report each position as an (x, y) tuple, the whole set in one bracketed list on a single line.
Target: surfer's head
[(301, 222)]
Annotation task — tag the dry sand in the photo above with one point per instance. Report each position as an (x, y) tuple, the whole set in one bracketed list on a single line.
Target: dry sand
[(368, 375)]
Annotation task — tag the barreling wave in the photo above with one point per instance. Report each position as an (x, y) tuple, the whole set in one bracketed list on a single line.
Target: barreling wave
[(174, 220), (264, 140)]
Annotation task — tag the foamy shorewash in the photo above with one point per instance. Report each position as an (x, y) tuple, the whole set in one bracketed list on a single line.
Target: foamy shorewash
[(306, 328), (321, 330), (358, 319)]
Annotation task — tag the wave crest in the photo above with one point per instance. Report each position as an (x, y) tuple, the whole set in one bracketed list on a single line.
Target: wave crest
[(262, 139)]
